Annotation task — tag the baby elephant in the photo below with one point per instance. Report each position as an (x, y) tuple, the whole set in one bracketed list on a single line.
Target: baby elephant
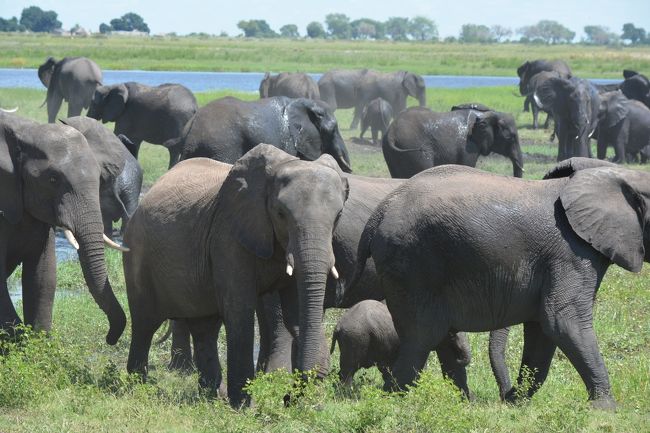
[(376, 115), (366, 337)]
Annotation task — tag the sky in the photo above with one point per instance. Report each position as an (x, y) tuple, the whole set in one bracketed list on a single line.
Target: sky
[(186, 16)]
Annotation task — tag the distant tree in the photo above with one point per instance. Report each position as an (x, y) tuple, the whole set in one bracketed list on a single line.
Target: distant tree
[(315, 30), (500, 33), (548, 31), (289, 31), (423, 29), (129, 22), (223, 34), (450, 39), (633, 34), (473, 33), (37, 20), (11, 25), (397, 28), (256, 29), (365, 28), (338, 26), (599, 35), (105, 28)]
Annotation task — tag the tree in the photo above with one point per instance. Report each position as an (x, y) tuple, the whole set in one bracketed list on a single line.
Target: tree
[(338, 26), (500, 33), (289, 31), (548, 31), (256, 29), (129, 22), (423, 29), (365, 28), (397, 28), (473, 33), (37, 20), (11, 25), (599, 35), (315, 30), (633, 34), (105, 28)]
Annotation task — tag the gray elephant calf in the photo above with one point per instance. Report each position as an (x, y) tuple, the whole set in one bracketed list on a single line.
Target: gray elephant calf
[(366, 337), (377, 115), (624, 124)]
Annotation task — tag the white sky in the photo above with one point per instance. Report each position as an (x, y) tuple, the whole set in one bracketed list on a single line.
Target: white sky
[(185, 16)]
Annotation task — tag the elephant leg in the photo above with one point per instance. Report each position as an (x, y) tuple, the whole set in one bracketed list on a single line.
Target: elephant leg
[(535, 360), (39, 285), (240, 336), (205, 331), (364, 128), (497, 350), (74, 107), (54, 101), (349, 364), (535, 116), (181, 352), (548, 121), (8, 316), (454, 355), (142, 331), (275, 339), (356, 117), (375, 136)]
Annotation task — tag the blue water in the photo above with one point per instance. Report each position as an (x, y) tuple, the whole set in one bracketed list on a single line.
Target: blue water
[(240, 81)]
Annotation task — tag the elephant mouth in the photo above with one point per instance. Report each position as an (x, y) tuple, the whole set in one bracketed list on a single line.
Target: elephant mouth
[(72, 240)]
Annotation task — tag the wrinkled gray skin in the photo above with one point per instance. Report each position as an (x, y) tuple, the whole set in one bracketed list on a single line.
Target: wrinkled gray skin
[(156, 115), (623, 124), (118, 198), (636, 86), (338, 88), (227, 128), (376, 115), (42, 186), (366, 337), (419, 139), (574, 104), (71, 78), (291, 85), (536, 81), (536, 255), (229, 236), (392, 87)]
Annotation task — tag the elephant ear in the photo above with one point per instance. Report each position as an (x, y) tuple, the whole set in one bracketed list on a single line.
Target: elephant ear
[(11, 196), (242, 199), (305, 113), (265, 85), (522, 69), (328, 161), (617, 109), (627, 73), (569, 166), (115, 102), (46, 70), (604, 209), (548, 95), (482, 132)]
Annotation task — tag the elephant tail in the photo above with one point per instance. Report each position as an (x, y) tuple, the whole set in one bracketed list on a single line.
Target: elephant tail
[(168, 332), (335, 337)]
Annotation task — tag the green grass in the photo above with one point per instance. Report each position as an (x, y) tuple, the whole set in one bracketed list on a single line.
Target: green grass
[(73, 382), (239, 54)]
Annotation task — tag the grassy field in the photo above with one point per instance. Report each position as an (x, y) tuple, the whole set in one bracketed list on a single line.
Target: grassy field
[(240, 54), (73, 382)]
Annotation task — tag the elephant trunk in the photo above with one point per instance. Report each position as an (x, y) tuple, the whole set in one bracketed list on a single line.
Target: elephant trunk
[(340, 153), (89, 230), (422, 98), (517, 161)]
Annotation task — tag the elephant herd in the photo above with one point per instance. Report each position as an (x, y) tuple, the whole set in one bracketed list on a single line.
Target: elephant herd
[(260, 216)]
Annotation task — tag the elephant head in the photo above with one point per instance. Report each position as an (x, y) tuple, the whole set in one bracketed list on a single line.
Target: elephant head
[(50, 173), (414, 86), (108, 102), (271, 199), (493, 131), (46, 70), (265, 85), (636, 86), (314, 131), (613, 109)]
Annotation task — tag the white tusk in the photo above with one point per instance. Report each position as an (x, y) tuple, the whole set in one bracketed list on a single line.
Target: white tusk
[(335, 273), (591, 133), (289, 269), (10, 110), (70, 237), (577, 136), (109, 243)]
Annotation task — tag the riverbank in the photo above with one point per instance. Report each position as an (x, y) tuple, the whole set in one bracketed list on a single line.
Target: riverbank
[(306, 55)]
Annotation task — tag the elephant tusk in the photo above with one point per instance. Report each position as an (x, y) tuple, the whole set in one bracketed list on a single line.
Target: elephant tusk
[(289, 269), (70, 237), (591, 133), (335, 273), (9, 110), (109, 243), (577, 136)]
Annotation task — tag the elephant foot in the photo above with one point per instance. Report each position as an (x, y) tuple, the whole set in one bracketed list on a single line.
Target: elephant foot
[(181, 365), (605, 402)]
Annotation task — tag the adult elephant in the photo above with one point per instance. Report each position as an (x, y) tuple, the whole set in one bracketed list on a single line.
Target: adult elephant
[(338, 88), (419, 139), (71, 78), (227, 128), (118, 195), (574, 104), (209, 237), (536, 255), (156, 115), (533, 84), (623, 124), (291, 85), (636, 86), (50, 177), (529, 69), (393, 87)]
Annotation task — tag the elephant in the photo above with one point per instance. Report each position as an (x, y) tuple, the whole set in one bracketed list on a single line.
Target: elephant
[(71, 78), (419, 139), (209, 237), (534, 82), (338, 88), (392, 87), (50, 177), (529, 69), (156, 115), (574, 104), (377, 115), (536, 255), (624, 124), (291, 85), (366, 338), (118, 198), (227, 128), (636, 86)]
